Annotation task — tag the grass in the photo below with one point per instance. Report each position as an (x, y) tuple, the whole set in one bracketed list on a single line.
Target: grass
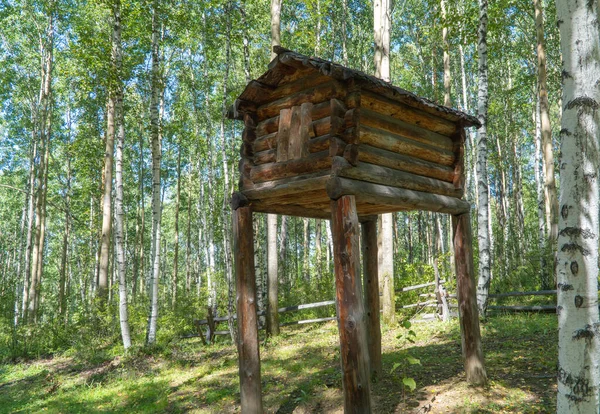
[(300, 374)]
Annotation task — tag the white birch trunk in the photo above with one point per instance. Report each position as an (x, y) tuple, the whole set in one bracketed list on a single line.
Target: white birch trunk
[(483, 232), (545, 283), (119, 213), (577, 253), (156, 185)]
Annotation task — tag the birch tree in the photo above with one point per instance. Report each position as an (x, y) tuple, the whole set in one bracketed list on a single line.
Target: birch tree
[(483, 233), (272, 283), (382, 24), (577, 254), (156, 185), (117, 59)]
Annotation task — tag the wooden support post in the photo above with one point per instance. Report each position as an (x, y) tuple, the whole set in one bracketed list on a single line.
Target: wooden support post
[(248, 350), (467, 301), (371, 285), (354, 351)]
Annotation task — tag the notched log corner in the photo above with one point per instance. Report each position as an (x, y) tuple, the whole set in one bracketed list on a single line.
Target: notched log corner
[(238, 200)]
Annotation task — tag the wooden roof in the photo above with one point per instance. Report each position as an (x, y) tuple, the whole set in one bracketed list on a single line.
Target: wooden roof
[(258, 91)]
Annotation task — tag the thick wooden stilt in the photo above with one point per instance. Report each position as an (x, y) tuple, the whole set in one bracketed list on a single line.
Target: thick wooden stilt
[(467, 300), (248, 350), (354, 351), (371, 286)]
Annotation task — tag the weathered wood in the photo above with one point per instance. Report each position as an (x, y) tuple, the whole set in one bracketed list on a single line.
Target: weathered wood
[(533, 293), (533, 308), (316, 95), (388, 176), (428, 303), (265, 157), (290, 210), (467, 301), (270, 125), (283, 133), (296, 140), (296, 86), (248, 349), (404, 129), (395, 143), (274, 171), (371, 285), (459, 154), (400, 162), (269, 142), (306, 306), (383, 105), (421, 286), (238, 200), (265, 142), (354, 351), (307, 321), (293, 185), (392, 196)]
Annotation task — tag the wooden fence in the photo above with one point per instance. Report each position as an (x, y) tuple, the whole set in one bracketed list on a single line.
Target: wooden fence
[(211, 322), (439, 299)]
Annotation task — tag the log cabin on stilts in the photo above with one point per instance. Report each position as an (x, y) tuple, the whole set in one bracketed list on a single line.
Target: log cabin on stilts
[(324, 141)]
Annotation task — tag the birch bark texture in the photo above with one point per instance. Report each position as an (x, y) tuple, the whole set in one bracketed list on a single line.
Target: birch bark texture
[(156, 159), (382, 26), (117, 58), (577, 253), (272, 266), (483, 233), (551, 202)]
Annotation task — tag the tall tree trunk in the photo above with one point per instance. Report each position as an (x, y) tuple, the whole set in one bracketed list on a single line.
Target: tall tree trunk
[(188, 236), (156, 185), (305, 249), (117, 57), (577, 253), (544, 271), (382, 28), (44, 119), (344, 32), (29, 239), (275, 25), (272, 267), (227, 191), (483, 233), (62, 295), (318, 237), (176, 238), (447, 76), (272, 282), (551, 204)]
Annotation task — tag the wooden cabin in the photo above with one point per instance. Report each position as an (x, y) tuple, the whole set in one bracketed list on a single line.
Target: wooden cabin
[(324, 141)]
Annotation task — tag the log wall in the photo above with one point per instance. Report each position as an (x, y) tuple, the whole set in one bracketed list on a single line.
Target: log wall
[(315, 125)]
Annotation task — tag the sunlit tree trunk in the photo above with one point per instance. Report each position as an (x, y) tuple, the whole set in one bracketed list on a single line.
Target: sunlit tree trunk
[(551, 202), (577, 254), (117, 58), (176, 238), (483, 233), (544, 275), (156, 184), (382, 27)]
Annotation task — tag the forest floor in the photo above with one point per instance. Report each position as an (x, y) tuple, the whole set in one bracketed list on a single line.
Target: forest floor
[(300, 374)]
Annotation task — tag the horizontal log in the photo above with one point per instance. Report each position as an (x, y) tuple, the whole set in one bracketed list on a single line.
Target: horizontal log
[(380, 104), (306, 306), (533, 293), (286, 186), (307, 321), (405, 129), (536, 308), (275, 171), (265, 142), (395, 197), (421, 286), (316, 95), (395, 143), (270, 125), (388, 176), (423, 304), (400, 162), (265, 157), (299, 85), (292, 210)]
